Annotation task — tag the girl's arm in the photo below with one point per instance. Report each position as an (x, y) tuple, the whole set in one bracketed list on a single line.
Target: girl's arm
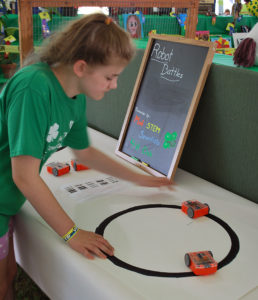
[(25, 170), (99, 161)]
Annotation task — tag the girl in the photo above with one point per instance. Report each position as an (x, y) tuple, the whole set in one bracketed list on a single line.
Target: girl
[(134, 26), (42, 108)]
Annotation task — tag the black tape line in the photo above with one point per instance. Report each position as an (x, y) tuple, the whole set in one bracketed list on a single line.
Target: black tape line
[(235, 245)]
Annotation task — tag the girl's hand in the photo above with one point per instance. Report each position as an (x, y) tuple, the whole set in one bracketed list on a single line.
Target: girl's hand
[(99, 161), (151, 181), (89, 244)]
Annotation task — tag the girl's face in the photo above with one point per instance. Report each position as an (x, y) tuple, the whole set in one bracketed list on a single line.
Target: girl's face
[(132, 25), (98, 80)]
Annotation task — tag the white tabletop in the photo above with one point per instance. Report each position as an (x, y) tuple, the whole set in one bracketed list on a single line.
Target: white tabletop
[(155, 238)]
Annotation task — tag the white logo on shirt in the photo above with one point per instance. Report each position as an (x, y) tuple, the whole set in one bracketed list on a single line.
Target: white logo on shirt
[(53, 133), (71, 124)]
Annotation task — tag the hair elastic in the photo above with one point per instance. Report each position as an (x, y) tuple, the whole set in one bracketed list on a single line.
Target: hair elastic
[(108, 20)]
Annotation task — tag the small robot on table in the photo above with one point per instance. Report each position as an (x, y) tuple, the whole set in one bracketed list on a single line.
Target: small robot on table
[(200, 262)]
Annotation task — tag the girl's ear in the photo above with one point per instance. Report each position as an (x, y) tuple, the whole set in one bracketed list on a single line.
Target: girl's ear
[(79, 68)]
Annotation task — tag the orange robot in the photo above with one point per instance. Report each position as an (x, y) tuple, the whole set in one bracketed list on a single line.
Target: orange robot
[(195, 209), (58, 169), (201, 263), (78, 166)]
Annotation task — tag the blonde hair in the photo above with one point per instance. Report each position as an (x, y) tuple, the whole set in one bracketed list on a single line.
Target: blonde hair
[(94, 38)]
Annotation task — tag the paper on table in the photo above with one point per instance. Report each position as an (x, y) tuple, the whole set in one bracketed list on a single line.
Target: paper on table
[(84, 190)]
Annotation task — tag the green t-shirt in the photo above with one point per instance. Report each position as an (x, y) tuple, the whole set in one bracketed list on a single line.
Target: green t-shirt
[(36, 118)]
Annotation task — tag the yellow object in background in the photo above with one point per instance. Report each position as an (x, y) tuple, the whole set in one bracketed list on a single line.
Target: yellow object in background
[(244, 11), (252, 7), (230, 25), (10, 39), (44, 16)]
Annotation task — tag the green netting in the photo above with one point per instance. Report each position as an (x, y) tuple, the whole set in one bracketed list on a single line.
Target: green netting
[(163, 24)]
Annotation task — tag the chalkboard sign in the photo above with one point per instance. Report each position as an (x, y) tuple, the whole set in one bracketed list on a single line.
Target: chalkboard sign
[(164, 100)]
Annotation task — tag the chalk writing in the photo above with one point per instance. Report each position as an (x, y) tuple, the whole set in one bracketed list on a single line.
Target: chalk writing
[(134, 145), (153, 127), (137, 147), (159, 55), (145, 151), (137, 119), (139, 111), (151, 139)]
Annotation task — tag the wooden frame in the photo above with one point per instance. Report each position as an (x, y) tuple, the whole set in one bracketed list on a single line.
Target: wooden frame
[(26, 22), (132, 109)]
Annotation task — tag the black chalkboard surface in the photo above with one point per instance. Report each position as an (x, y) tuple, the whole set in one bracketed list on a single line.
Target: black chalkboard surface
[(165, 97)]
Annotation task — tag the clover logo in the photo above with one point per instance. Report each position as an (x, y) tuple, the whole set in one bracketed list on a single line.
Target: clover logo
[(53, 133), (170, 140), (71, 124)]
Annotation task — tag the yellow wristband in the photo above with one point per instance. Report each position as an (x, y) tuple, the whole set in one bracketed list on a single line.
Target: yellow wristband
[(71, 233)]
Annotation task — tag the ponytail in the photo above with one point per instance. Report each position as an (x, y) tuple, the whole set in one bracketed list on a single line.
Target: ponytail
[(245, 53)]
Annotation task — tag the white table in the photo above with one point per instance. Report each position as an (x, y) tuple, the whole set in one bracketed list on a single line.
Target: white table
[(155, 239)]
